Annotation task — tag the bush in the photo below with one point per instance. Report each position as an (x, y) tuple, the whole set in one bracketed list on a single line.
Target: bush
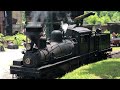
[(16, 39), (119, 35), (91, 19), (1, 39), (1, 35), (95, 19), (106, 31), (1, 44)]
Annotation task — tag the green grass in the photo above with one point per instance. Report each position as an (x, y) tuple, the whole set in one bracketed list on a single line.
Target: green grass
[(22, 47), (106, 69), (116, 49)]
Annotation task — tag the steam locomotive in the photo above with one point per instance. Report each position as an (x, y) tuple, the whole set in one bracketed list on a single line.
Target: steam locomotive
[(63, 52)]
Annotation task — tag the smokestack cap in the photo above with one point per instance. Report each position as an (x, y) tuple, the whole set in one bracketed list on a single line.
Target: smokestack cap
[(34, 25), (34, 28)]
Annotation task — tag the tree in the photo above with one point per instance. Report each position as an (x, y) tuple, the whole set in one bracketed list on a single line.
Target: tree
[(103, 17), (116, 17)]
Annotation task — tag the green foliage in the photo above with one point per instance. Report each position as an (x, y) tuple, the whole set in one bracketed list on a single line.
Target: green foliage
[(1, 39), (95, 19), (106, 69), (106, 31), (1, 35), (16, 39), (19, 38), (103, 13), (91, 19), (103, 17), (9, 38), (119, 35), (1, 44), (116, 17), (116, 49), (106, 19)]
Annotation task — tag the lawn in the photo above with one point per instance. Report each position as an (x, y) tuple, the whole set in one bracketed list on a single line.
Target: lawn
[(115, 48), (21, 47), (106, 69)]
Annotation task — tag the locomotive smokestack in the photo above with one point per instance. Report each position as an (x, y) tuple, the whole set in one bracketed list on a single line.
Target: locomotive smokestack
[(33, 31)]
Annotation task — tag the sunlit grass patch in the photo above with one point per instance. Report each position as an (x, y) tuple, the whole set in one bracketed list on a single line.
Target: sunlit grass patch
[(106, 69), (115, 48)]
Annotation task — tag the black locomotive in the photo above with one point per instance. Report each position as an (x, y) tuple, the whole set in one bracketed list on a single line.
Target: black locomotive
[(63, 52)]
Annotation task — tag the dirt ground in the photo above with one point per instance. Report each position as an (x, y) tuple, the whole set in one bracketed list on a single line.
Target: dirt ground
[(6, 59)]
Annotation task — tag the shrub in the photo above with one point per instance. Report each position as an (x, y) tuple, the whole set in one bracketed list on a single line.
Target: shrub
[(1, 39), (16, 39), (1, 35), (106, 31), (1, 44)]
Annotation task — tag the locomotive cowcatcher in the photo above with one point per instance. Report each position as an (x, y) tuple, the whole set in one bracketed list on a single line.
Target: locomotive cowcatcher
[(63, 52)]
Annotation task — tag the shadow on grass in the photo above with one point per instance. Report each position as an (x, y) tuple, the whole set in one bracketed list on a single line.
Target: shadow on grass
[(105, 70)]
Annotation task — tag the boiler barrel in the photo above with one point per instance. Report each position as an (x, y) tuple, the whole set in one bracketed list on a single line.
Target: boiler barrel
[(52, 52)]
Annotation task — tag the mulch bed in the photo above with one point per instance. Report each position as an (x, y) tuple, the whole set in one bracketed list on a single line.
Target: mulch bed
[(12, 46)]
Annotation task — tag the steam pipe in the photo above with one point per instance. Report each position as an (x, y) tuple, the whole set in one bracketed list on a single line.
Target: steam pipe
[(81, 17)]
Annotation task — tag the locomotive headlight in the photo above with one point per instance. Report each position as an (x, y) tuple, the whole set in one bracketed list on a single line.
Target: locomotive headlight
[(27, 61), (28, 46)]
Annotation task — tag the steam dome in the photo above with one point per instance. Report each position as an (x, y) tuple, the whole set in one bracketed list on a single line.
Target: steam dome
[(56, 36)]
